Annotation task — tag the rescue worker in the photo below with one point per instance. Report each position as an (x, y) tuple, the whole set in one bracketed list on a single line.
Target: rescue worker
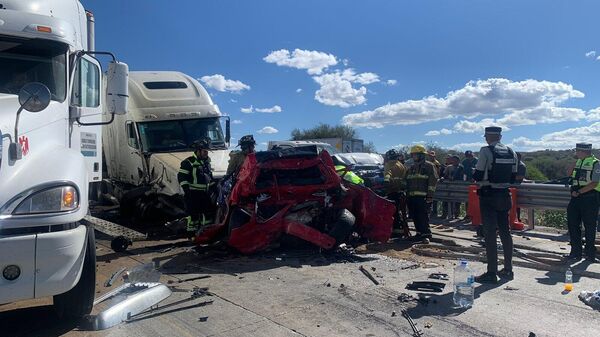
[(237, 158), (394, 174), (421, 179), (583, 206), (346, 173), (496, 169), (195, 178)]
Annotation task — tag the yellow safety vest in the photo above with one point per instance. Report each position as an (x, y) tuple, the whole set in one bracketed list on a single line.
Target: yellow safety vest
[(348, 175), (582, 173)]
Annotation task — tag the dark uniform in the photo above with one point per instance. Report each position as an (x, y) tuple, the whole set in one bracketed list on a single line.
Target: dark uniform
[(584, 204), (496, 169), (195, 178), (421, 180)]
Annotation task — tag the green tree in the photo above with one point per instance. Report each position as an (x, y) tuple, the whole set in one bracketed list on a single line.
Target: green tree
[(533, 173), (325, 131)]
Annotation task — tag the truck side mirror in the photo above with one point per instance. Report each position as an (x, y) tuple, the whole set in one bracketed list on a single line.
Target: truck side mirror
[(33, 97), (227, 130), (117, 93)]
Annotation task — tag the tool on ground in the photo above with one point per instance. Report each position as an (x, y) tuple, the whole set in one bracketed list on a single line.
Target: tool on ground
[(189, 279), (437, 287), (368, 274), (416, 331), (439, 276)]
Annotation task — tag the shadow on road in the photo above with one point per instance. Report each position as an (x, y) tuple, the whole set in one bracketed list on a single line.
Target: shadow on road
[(34, 321)]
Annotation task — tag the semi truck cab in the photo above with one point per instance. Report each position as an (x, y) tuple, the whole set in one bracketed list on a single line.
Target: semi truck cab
[(51, 109)]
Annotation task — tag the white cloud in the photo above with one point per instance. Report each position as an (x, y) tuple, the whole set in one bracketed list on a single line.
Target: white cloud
[(590, 53), (233, 100), (220, 83), (247, 110), (311, 60), (299, 90), (362, 78), (440, 132), (268, 129), (565, 139), (598, 58), (273, 109), (528, 101), (593, 115), (391, 82), (338, 91), (236, 121), (345, 62)]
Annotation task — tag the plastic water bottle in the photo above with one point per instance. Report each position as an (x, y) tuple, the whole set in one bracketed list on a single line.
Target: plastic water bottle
[(569, 280), (463, 285)]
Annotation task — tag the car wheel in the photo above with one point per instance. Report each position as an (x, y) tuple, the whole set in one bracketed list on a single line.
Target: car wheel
[(342, 227)]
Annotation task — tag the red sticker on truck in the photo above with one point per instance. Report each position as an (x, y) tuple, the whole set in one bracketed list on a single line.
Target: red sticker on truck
[(24, 142)]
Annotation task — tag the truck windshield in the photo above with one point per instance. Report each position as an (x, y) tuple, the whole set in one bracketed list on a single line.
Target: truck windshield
[(178, 135), (23, 61)]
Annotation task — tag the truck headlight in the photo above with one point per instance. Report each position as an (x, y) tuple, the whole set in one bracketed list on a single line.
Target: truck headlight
[(56, 199)]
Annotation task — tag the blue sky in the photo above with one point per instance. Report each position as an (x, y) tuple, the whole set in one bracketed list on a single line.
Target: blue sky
[(398, 71)]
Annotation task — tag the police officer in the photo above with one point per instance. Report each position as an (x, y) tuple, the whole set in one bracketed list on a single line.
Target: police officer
[(394, 174), (496, 169), (237, 158), (195, 178), (583, 206), (421, 179)]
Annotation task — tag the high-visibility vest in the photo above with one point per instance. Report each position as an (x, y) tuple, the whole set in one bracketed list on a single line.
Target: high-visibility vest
[(195, 173), (348, 175), (582, 173)]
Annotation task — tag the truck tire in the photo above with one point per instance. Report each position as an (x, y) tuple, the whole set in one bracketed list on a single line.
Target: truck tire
[(342, 227), (78, 302)]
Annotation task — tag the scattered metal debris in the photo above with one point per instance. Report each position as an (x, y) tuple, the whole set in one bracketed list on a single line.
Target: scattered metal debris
[(404, 297), (437, 287), (439, 276), (416, 331), (189, 279), (510, 288), (368, 274), (138, 297), (393, 314), (109, 282), (428, 325)]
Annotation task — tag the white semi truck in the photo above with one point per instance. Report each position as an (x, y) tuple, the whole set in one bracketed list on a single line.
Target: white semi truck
[(52, 106), (144, 148)]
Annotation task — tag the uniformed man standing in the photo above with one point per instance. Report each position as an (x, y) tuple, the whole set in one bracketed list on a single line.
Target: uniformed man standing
[(421, 179), (237, 158), (496, 169), (583, 206), (394, 174), (195, 178)]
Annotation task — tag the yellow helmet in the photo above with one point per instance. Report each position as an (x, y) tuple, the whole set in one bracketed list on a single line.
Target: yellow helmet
[(418, 149)]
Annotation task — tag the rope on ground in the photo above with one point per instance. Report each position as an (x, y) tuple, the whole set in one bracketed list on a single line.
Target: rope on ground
[(540, 261)]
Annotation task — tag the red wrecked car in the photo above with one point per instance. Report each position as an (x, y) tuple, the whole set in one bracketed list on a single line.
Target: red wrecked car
[(296, 192)]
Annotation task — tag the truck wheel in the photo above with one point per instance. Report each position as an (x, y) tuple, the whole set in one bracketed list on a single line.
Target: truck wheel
[(120, 244), (79, 301), (342, 228)]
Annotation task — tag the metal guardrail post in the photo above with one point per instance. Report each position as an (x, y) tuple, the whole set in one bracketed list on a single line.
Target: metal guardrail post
[(529, 196)]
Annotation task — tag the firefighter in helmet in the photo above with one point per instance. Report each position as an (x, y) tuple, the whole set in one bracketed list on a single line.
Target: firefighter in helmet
[(421, 180), (237, 158), (195, 178), (394, 174)]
